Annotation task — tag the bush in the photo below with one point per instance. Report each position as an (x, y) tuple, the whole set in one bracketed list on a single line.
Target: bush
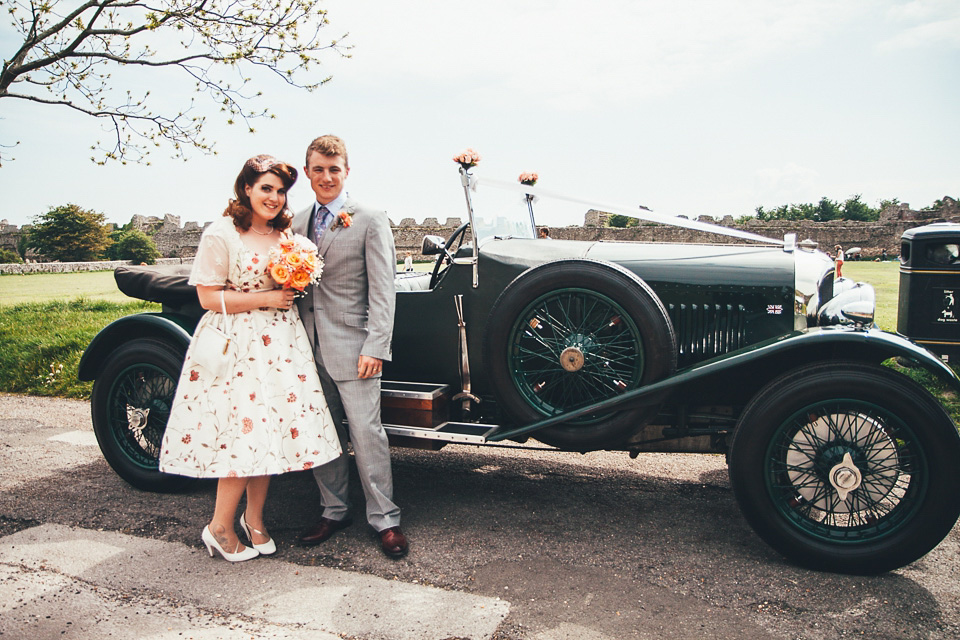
[(8, 256), (618, 221), (134, 245)]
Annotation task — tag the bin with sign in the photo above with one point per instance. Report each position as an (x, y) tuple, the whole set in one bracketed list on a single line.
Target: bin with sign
[(929, 306)]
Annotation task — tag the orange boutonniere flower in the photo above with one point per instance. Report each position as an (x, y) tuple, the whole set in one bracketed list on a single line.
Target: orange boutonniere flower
[(294, 263), (344, 219)]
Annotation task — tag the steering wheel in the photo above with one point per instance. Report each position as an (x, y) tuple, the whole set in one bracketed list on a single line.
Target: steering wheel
[(447, 256)]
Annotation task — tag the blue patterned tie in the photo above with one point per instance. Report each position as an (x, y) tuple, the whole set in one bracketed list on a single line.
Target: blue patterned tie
[(321, 219)]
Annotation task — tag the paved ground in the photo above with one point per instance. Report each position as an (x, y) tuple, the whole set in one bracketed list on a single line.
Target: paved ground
[(507, 545)]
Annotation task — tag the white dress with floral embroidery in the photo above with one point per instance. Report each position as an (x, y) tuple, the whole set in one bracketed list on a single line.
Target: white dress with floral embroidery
[(268, 415)]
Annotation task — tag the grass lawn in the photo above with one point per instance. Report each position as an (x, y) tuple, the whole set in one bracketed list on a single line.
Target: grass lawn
[(41, 342), (43, 287), (885, 278)]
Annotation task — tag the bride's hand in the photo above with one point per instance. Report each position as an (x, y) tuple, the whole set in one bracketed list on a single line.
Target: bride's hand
[(282, 298)]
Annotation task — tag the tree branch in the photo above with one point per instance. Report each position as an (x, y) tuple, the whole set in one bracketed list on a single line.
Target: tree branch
[(71, 57)]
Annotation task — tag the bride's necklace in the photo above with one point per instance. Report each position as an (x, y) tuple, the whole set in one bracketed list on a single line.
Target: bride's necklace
[(268, 233)]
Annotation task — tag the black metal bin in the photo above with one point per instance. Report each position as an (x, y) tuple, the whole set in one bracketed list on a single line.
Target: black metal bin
[(928, 311)]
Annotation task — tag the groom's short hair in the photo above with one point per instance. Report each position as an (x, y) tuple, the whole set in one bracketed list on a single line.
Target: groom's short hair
[(329, 145)]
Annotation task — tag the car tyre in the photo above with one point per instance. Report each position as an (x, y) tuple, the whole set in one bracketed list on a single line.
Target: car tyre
[(131, 402), (793, 455), (571, 333)]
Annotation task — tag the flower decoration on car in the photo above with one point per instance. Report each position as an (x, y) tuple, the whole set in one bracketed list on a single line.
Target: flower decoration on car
[(295, 264), (343, 219), (528, 178), (467, 159)]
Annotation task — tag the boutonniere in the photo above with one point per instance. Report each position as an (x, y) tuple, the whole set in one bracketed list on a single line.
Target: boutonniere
[(344, 219)]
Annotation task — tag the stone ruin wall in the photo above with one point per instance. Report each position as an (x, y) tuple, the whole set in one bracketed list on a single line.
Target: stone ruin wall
[(176, 241)]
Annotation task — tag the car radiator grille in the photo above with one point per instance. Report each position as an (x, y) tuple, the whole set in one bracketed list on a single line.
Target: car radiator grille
[(706, 330)]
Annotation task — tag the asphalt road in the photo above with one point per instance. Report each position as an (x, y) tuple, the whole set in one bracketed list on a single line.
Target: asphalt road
[(533, 545)]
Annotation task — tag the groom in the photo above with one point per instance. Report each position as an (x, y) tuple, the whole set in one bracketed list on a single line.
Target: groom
[(349, 319)]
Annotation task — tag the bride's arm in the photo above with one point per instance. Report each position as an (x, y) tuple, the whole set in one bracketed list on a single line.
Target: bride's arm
[(239, 301)]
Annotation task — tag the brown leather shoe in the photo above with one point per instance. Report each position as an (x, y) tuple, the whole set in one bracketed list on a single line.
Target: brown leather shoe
[(393, 542), (321, 532)]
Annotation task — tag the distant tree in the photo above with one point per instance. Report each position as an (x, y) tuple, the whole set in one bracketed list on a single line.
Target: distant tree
[(22, 243), (618, 221), (824, 211), (8, 256), (856, 209), (69, 234), (938, 204), (134, 245), (70, 49)]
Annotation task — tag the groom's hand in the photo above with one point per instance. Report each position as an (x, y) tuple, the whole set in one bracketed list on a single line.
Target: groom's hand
[(368, 367)]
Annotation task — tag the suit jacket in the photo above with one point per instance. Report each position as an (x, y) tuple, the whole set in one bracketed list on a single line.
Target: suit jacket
[(352, 308)]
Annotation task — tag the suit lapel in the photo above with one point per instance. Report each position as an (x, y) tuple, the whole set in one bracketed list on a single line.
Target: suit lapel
[(333, 231)]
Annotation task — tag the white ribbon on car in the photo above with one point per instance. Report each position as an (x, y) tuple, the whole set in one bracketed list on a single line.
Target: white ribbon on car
[(642, 214)]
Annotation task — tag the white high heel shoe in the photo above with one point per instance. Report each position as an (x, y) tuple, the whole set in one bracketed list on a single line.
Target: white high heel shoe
[(265, 549), (238, 556)]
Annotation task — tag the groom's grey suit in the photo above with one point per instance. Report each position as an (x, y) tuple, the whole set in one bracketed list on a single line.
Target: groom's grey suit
[(349, 314)]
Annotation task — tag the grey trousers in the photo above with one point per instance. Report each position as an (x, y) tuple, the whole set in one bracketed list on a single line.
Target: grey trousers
[(358, 401)]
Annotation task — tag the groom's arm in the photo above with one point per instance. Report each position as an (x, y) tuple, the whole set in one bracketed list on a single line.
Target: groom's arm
[(381, 263)]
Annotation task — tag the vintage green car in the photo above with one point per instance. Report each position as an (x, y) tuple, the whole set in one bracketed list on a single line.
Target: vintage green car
[(751, 349)]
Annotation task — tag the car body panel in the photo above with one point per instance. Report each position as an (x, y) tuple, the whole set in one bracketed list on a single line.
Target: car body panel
[(175, 327), (798, 348)]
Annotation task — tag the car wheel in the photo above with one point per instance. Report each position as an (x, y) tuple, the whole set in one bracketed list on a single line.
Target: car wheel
[(569, 334), (850, 468), (131, 403)]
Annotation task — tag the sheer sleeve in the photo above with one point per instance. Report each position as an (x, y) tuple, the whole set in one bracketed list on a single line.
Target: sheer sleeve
[(211, 266)]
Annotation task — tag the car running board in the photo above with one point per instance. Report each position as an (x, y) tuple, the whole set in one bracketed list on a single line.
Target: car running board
[(462, 432), (421, 411)]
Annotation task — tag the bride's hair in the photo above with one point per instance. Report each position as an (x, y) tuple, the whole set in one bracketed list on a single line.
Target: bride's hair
[(240, 208)]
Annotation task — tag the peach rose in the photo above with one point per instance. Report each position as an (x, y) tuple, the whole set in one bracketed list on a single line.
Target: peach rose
[(294, 259), (300, 279), (280, 274)]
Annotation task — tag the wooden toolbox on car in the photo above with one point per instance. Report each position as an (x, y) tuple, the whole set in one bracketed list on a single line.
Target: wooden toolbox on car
[(415, 404), (417, 414)]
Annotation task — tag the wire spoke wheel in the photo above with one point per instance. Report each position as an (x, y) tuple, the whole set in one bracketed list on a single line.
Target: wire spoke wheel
[(846, 471), (139, 406), (131, 402), (573, 347), (571, 333), (847, 467)]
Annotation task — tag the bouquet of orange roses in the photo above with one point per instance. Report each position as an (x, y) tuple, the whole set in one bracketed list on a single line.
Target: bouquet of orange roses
[(295, 263)]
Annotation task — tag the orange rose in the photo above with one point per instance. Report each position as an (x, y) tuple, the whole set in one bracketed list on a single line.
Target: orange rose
[(280, 273), (310, 261), (293, 259), (287, 242), (300, 279)]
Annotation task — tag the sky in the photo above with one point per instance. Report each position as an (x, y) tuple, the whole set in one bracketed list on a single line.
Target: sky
[(688, 107)]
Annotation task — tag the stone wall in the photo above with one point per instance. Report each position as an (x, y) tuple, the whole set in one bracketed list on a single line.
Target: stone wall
[(176, 241), (70, 267), (171, 239)]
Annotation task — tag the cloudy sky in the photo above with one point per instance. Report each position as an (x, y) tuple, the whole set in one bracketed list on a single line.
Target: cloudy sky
[(688, 107)]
